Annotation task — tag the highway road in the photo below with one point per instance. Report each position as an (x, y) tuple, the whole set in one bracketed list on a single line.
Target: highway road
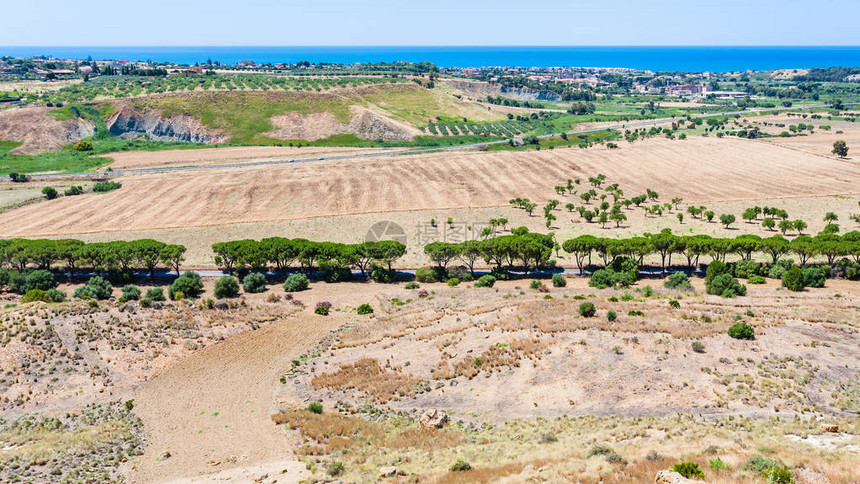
[(620, 126)]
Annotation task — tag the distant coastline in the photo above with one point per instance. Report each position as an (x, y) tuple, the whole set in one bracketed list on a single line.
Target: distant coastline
[(656, 58)]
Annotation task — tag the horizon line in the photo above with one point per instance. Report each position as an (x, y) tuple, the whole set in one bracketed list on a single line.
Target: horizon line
[(445, 45)]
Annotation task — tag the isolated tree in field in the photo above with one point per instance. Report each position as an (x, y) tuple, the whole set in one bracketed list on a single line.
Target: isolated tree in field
[(785, 226), (727, 219), (617, 217), (570, 207), (549, 219), (749, 215), (768, 223), (709, 215), (800, 226), (604, 217), (680, 217), (530, 208), (830, 217), (840, 148)]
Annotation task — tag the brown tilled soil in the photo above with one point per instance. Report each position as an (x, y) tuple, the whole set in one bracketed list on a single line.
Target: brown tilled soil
[(700, 170), (39, 131)]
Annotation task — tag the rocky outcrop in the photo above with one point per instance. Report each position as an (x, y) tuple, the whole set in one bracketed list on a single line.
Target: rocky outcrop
[(131, 123), (365, 124), (479, 89), (433, 419), (38, 130)]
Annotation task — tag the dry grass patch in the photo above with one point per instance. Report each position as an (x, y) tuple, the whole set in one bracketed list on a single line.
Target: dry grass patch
[(367, 375)]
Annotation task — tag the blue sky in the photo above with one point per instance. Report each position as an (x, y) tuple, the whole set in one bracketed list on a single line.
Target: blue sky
[(430, 22)]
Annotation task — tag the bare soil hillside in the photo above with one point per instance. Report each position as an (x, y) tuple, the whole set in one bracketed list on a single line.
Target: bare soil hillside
[(39, 131)]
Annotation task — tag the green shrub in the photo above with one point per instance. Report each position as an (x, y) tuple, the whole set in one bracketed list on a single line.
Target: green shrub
[(254, 282), (715, 268), (364, 309), (725, 285), (296, 283), (382, 275), (226, 286), (315, 407), (602, 450), (35, 295), (452, 282), (648, 291), (689, 470), (336, 468), (558, 280), (813, 277), (485, 281), (717, 464), (741, 330), (56, 296), (679, 281), (756, 280), (96, 288), (83, 145), (130, 292), (611, 316), (411, 285), (39, 279), (759, 464), (777, 270), (793, 279), (49, 192), (776, 475), (461, 466), (586, 309), (604, 278), (426, 275), (188, 284), (535, 284), (74, 190), (106, 186), (321, 310), (155, 294), (747, 268)]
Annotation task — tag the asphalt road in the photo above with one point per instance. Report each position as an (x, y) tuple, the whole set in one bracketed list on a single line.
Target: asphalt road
[(635, 124)]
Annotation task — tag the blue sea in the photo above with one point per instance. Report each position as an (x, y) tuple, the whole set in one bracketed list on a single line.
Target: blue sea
[(691, 58)]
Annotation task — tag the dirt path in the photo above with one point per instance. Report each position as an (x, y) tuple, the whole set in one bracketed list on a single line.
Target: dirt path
[(214, 407)]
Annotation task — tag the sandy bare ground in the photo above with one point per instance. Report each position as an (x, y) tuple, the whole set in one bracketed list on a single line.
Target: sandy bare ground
[(210, 156), (700, 170), (39, 131), (211, 411)]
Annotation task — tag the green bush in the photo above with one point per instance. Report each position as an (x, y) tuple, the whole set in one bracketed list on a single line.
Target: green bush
[(602, 450), (39, 279), (604, 278), (56, 296), (74, 190), (96, 288), (756, 280), (83, 145), (364, 309), (611, 316), (715, 268), (155, 294), (679, 281), (254, 282), (461, 466), (49, 192), (741, 330), (35, 295), (321, 310), (452, 282), (776, 475), (777, 270), (130, 292), (725, 285), (689, 470), (485, 281), (717, 464), (745, 269), (759, 464), (382, 275), (813, 277), (426, 275), (226, 287), (535, 284), (411, 285), (558, 280), (586, 309), (296, 283), (106, 186), (189, 284), (336, 468), (793, 279), (315, 407)]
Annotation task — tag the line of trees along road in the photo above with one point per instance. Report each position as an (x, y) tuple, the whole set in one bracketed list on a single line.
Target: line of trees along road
[(74, 255), (282, 253)]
